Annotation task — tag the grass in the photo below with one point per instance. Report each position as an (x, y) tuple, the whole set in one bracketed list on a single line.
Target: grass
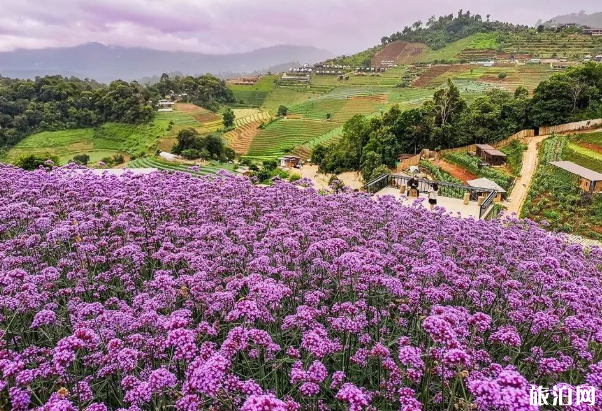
[(255, 95), (152, 162), (65, 144), (286, 97), (583, 156)]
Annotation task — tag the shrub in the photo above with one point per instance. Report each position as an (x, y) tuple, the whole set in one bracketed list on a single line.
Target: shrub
[(34, 161)]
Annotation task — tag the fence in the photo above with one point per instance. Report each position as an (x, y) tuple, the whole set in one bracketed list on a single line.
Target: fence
[(517, 136), (445, 189), (471, 147), (566, 128)]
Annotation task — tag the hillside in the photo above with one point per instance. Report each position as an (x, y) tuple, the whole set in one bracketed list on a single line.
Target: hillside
[(108, 63)]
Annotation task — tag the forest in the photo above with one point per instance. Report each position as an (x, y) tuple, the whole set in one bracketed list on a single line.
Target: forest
[(56, 103), (447, 121), (437, 33)]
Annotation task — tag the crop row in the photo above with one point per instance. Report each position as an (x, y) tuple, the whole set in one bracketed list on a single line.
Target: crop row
[(146, 162)]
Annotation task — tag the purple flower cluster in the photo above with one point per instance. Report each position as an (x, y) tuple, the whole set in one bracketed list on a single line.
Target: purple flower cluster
[(168, 291)]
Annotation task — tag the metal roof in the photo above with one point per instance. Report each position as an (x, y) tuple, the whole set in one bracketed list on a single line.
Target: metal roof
[(493, 152), (573, 168), (485, 183), (485, 147)]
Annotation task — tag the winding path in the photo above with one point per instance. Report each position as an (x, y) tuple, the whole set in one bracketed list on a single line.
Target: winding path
[(523, 183)]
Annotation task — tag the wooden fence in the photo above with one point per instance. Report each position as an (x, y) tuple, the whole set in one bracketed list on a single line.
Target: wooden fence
[(567, 128), (517, 136)]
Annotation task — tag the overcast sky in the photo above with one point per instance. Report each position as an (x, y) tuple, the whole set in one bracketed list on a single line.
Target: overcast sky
[(226, 26)]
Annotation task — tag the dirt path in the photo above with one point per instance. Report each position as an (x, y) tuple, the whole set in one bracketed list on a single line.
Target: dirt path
[(521, 187)]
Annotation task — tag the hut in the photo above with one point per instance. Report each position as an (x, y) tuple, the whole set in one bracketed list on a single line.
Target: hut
[(591, 181), (490, 155), (488, 184), (289, 161)]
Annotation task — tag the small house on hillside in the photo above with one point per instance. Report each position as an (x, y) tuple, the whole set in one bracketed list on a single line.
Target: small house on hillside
[(290, 161), (592, 32), (591, 181), (491, 155), (486, 183)]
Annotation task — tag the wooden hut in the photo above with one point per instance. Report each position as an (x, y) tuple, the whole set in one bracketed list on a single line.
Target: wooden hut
[(490, 155), (591, 181)]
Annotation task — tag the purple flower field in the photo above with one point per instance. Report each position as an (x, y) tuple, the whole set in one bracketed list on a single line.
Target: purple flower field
[(170, 291)]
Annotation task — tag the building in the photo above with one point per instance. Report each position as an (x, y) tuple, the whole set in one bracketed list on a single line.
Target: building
[(591, 181), (592, 32), (165, 106), (486, 183), (486, 63), (290, 161), (490, 155)]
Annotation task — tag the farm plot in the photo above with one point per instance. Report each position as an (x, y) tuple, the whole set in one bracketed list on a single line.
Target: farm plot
[(149, 162), (240, 139), (250, 98), (317, 109), (284, 135), (438, 75), (583, 156), (104, 141), (548, 44)]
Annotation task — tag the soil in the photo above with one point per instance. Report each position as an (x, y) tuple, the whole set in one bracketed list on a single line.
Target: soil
[(590, 146), (456, 171)]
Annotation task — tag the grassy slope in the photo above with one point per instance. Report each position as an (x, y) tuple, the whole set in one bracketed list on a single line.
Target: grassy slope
[(106, 140)]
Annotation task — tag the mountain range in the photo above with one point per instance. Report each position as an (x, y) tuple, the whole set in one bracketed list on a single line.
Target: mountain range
[(593, 20), (106, 63)]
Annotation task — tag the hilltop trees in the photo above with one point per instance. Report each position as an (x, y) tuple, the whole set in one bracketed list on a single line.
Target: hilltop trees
[(206, 91), (438, 32)]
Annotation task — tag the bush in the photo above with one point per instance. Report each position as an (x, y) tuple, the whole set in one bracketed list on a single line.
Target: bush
[(32, 162), (81, 159), (502, 75), (294, 177)]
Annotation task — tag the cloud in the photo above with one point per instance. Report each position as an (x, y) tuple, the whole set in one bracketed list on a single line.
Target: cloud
[(226, 26)]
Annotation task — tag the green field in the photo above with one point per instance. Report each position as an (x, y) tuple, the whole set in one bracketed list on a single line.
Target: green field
[(151, 162), (583, 156), (549, 44), (106, 140), (282, 136)]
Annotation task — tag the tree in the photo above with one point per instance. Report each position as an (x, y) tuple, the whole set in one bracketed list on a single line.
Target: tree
[(448, 104), (502, 75), (328, 116), (229, 118), (318, 154), (214, 145), (370, 162), (270, 164), (81, 159), (282, 111), (34, 161)]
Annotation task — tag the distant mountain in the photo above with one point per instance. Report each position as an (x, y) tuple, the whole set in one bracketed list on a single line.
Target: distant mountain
[(593, 20), (107, 63)]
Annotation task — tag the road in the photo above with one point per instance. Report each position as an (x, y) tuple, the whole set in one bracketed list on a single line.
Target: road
[(521, 187)]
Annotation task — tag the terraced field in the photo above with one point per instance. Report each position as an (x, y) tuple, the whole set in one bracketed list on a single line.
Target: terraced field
[(247, 116), (284, 135), (548, 44), (400, 52), (240, 139), (149, 162)]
